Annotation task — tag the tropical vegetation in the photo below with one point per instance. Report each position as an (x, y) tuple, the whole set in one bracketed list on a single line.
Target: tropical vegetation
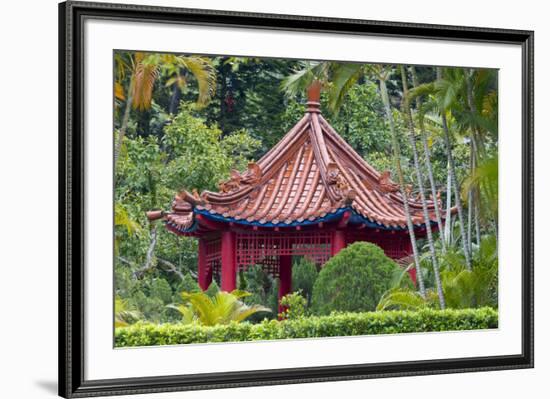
[(186, 121)]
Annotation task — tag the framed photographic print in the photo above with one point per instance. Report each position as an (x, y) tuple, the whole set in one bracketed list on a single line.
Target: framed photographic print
[(251, 199)]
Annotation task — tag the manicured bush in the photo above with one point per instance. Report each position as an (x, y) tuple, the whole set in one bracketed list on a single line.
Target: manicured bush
[(334, 325), (353, 280)]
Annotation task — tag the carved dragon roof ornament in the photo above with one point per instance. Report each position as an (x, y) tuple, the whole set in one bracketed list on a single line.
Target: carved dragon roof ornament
[(251, 176), (386, 184)]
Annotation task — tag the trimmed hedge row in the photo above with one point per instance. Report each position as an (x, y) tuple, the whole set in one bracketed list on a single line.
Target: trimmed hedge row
[(336, 324)]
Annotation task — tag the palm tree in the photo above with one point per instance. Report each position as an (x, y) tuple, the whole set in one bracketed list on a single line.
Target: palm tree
[(482, 121), (382, 73), (420, 179), (144, 70), (447, 92), (474, 109), (428, 162), (444, 89), (222, 308)]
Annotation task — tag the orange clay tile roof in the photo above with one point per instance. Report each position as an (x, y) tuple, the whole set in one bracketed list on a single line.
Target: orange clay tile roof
[(311, 173)]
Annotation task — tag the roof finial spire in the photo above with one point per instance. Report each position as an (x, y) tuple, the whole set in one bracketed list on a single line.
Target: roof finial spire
[(313, 96)]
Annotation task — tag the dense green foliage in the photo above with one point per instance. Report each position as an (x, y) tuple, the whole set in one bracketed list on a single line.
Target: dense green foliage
[(462, 288), (353, 280), (263, 290), (334, 325), (190, 154), (184, 121), (304, 275)]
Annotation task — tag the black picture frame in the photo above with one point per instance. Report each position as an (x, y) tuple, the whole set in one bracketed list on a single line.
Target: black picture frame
[(71, 200)]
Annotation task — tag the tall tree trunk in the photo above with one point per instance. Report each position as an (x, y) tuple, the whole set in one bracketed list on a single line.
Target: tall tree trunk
[(454, 182), (125, 118), (476, 203), (149, 257), (449, 216), (427, 158), (470, 201), (151, 249), (397, 155), (420, 178), (476, 222)]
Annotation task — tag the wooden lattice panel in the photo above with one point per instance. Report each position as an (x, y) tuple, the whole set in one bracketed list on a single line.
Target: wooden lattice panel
[(214, 256), (256, 248)]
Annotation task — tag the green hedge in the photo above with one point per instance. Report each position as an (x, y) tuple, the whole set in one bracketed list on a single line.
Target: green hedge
[(336, 324)]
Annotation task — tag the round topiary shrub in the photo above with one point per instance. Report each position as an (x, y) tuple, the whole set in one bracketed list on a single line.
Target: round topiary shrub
[(353, 280)]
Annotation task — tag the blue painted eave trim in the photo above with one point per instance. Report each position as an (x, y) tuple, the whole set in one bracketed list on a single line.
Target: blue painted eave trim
[(355, 218)]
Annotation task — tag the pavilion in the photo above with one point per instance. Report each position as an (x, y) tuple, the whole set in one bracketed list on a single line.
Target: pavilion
[(310, 195)]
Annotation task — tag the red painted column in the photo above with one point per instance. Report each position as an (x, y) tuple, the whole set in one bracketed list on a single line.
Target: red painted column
[(204, 274), (229, 261), (285, 277), (412, 275), (338, 241)]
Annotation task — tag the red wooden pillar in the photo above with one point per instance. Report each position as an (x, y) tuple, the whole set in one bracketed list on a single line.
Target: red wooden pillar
[(338, 241), (229, 261), (285, 277), (412, 275), (204, 273)]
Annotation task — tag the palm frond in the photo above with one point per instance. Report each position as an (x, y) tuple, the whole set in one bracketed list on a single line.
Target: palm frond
[(422, 90), (446, 93), (123, 65), (243, 312), (124, 316), (299, 81), (145, 73), (344, 76), (485, 177), (205, 74), (221, 308), (119, 91), (401, 299)]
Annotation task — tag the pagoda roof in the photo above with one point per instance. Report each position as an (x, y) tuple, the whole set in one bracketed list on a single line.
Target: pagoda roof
[(311, 175)]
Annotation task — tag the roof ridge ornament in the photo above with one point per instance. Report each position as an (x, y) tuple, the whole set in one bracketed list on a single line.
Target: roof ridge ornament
[(251, 176), (386, 184), (314, 96)]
